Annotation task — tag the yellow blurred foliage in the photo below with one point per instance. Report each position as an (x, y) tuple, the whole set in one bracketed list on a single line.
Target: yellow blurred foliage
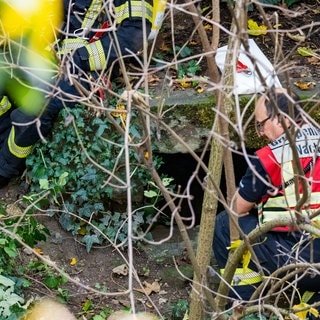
[(27, 30), (36, 19)]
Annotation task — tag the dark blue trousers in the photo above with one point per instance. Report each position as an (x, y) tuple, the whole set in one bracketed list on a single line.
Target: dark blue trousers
[(130, 39), (273, 250)]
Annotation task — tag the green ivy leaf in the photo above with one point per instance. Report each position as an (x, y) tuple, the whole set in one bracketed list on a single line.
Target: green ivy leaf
[(89, 240), (63, 179), (6, 281), (150, 193), (11, 252), (52, 281), (44, 184)]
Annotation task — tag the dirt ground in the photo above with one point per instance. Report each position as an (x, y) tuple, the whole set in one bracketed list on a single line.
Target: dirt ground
[(157, 274)]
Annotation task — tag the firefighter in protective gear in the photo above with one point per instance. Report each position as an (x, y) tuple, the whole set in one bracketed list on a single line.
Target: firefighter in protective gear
[(270, 185), (86, 48)]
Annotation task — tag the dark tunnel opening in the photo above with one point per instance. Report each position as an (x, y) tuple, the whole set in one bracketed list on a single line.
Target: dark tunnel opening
[(181, 167)]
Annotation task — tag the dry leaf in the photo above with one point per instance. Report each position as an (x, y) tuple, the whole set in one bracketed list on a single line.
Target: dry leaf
[(121, 270), (150, 287), (38, 251), (200, 89), (82, 231), (305, 85), (153, 79), (186, 316), (119, 114), (237, 310), (301, 37), (73, 261), (185, 84), (13, 209), (162, 301), (164, 47), (314, 60)]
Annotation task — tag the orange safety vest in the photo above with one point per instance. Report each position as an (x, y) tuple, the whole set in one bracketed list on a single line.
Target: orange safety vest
[(276, 159)]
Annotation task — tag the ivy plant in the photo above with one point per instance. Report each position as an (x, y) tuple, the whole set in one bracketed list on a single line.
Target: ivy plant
[(11, 304), (78, 170), (26, 229)]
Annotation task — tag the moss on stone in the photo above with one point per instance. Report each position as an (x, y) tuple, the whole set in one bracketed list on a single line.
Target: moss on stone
[(189, 109)]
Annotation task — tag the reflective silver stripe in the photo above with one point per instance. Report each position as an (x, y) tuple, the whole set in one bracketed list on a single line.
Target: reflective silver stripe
[(5, 105), (92, 13), (137, 10), (243, 277), (269, 210), (71, 44), (97, 59), (17, 151), (290, 201), (272, 215)]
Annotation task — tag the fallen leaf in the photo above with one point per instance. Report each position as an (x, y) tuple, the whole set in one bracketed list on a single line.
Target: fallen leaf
[(237, 310), (186, 315), (305, 52), (208, 27), (185, 84), (153, 79), (73, 261), (120, 108), (82, 231), (164, 47), (200, 89), (314, 60), (305, 85), (38, 251), (163, 301), (255, 29), (121, 270), (125, 303), (301, 37), (149, 287), (193, 43), (87, 305), (303, 314), (13, 209), (28, 251)]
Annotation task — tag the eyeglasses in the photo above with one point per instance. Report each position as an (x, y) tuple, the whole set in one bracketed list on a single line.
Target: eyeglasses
[(260, 124)]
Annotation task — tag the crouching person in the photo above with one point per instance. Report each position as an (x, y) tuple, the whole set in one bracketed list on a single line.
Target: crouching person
[(85, 49), (270, 189)]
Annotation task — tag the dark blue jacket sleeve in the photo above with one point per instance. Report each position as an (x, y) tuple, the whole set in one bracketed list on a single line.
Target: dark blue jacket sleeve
[(251, 188)]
